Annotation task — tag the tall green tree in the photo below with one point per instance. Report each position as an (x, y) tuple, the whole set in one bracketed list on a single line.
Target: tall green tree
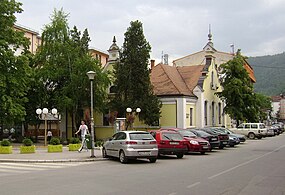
[(132, 79), (14, 65), (238, 92), (63, 61)]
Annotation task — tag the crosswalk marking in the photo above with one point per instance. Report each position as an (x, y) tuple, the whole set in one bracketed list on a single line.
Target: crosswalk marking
[(21, 168)]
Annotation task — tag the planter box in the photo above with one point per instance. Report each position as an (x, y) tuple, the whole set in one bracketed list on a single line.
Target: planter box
[(74, 147), (27, 149), (55, 148), (5, 149)]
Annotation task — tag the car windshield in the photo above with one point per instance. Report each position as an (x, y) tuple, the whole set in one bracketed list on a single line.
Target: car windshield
[(140, 136), (172, 136), (186, 133), (203, 133)]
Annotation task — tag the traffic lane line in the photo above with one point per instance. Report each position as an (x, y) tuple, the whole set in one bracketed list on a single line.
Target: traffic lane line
[(193, 185), (245, 163)]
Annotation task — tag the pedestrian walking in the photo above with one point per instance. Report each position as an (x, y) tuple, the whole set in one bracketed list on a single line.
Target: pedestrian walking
[(49, 136), (84, 131)]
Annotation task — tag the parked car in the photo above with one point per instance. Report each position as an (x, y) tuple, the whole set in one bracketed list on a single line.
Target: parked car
[(127, 145), (223, 137), (194, 143), (233, 139), (251, 130), (212, 139), (241, 137), (271, 131), (170, 142)]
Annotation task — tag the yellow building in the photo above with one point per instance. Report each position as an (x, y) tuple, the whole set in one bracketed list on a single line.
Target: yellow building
[(187, 89)]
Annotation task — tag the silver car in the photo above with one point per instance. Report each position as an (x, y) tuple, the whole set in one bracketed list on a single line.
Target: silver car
[(127, 145)]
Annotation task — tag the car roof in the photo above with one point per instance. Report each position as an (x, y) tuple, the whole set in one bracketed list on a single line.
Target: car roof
[(133, 131)]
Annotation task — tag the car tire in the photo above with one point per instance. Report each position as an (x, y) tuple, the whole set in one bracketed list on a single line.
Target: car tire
[(122, 157), (152, 160), (221, 147), (104, 153), (179, 155), (202, 153), (251, 136)]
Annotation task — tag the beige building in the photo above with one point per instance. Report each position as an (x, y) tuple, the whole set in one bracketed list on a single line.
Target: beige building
[(32, 35)]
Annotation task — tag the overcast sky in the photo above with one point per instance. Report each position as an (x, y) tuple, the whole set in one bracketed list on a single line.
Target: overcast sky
[(175, 27)]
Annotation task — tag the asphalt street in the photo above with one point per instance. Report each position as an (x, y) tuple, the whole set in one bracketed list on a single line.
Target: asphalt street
[(255, 167)]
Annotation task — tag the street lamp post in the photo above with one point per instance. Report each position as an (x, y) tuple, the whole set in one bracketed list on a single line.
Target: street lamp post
[(91, 75), (129, 110), (43, 116)]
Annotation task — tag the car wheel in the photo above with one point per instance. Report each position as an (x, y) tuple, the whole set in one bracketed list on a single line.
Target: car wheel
[(152, 160), (203, 153), (122, 157), (104, 153), (251, 136), (179, 155), (221, 147), (232, 145)]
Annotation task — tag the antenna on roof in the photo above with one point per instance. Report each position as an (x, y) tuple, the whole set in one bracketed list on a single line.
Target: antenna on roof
[(233, 48), (162, 57)]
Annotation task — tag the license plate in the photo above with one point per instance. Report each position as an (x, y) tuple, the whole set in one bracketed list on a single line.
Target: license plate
[(174, 143), (205, 147), (214, 139), (225, 142), (144, 153)]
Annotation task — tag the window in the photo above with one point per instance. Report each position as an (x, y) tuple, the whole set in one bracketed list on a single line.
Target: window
[(206, 112), (220, 112), (247, 126), (140, 136), (120, 136), (191, 116), (254, 126), (213, 114)]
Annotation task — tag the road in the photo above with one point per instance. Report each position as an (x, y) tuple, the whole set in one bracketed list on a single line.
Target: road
[(255, 167)]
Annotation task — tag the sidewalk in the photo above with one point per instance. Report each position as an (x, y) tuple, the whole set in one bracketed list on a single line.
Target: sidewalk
[(42, 156)]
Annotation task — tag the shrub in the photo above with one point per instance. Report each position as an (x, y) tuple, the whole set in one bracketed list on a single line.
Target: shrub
[(27, 142), (54, 141), (5, 142), (74, 140), (99, 143)]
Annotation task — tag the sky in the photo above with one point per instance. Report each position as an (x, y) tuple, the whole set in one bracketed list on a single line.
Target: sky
[(174, 27)]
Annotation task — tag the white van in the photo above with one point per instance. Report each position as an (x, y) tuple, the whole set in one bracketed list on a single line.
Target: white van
[(252, 130)]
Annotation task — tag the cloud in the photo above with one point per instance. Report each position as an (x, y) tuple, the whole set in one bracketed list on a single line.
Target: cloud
[(175, 27)]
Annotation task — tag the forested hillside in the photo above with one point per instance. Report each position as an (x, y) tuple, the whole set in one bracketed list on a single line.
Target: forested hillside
[(270, 73)]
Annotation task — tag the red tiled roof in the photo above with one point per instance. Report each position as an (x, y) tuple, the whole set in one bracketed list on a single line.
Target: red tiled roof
[(170, 80)]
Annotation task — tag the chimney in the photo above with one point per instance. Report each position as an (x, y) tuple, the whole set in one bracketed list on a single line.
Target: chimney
[(152, 63)]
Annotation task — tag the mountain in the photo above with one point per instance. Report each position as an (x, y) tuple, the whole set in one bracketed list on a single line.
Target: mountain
[(270, 73)]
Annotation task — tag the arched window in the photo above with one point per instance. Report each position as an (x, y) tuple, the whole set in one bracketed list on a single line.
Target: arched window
[(113, 89), (206, 112)]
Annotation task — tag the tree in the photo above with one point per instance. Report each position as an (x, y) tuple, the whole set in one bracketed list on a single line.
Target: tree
[(14, 65), (238, 92), (132, 79), (63, 61)]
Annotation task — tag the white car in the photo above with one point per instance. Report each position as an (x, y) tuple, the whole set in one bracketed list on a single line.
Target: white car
[(127, 145), (251, 130)]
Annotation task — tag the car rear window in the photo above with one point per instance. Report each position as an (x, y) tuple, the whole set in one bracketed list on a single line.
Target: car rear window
[(172, 136), (141, 136), (187, 133)]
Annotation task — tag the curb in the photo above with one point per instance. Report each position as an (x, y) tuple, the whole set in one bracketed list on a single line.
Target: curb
[(50, 161)]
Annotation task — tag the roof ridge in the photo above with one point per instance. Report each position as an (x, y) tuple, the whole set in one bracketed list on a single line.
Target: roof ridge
[(184, 80), (169, 77)]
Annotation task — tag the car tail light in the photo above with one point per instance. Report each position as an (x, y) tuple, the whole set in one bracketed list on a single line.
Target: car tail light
[(152, 142), (131, 142)]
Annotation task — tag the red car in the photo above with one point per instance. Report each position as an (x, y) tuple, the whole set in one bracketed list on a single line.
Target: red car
[(194, 143), (169, 142)]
